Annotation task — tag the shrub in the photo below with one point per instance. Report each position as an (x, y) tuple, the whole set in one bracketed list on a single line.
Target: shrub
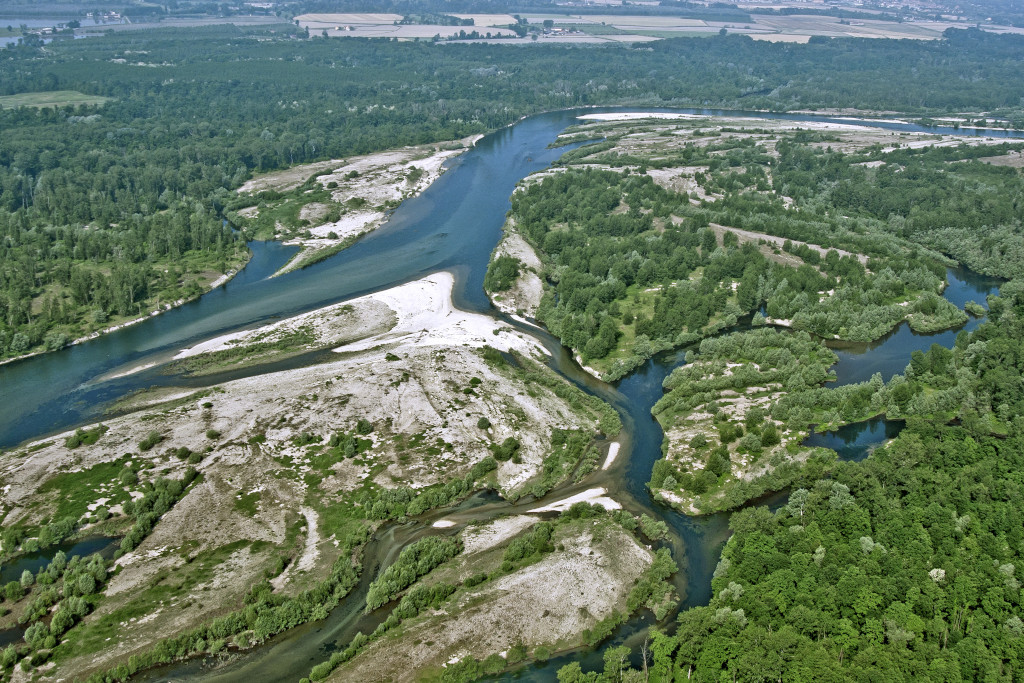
[(501, 273), (508, 448), (152, 439)]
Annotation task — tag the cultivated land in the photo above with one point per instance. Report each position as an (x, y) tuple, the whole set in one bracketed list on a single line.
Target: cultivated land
[(289, 464), (54, 98), (794, 28), (598, 28), (354, 25)]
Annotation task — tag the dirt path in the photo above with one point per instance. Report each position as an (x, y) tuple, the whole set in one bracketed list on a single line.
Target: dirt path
[(749, 236)]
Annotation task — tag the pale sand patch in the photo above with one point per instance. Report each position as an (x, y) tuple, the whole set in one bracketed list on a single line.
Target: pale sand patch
[(637, 115), (613, 452), (750, 236), (427, 317), (479, 539), (685, 505), (329, 325), (525, 294), (551, 601), (335, 19), (366, 187), (348, 225), (130, 371), (780, 37), (443, 524), (485, 20), (593, 496), (310, 551), (945, 141)]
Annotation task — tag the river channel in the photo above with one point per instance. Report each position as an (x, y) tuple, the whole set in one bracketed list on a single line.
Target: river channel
[(454, 225)]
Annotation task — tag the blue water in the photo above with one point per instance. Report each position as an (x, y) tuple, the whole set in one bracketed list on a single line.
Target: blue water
[(33, 562), (890, 355), (454, 225), (855, 441)]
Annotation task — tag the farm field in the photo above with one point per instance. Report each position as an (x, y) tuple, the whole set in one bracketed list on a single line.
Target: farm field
[(355, 25), (53, 98)]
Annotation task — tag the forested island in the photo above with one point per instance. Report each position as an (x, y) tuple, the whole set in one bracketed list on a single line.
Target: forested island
[(413, 474)]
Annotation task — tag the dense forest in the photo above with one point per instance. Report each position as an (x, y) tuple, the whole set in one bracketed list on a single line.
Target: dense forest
[(904, 566), (633, 268), (110, 211)]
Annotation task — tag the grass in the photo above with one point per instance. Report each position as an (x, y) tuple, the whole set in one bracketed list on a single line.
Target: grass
[(94, 635), (247, 503), (75, 491), (248, 354), (51, 98)]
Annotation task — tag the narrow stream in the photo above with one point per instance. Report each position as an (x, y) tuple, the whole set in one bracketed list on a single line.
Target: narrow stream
[(454, 225)]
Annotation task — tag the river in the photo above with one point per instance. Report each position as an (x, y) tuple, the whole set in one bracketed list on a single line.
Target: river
[(453, 225)]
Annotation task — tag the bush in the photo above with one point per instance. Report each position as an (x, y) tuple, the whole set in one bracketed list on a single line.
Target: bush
[(534, 543), (508, 448), (494, 664), (413, 562), (483, 423), (501, 273), (151, 440)]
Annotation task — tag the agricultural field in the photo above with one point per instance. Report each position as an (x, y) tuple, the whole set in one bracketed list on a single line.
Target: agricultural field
[(54, 98), (388, 26)]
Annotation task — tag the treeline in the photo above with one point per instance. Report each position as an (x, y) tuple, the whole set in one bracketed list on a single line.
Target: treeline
[(69, 588), (906, 565), (632, 268), (596, 232), (142, 181)]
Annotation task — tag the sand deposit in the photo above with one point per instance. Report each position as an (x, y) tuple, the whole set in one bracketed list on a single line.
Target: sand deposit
[(549, 602), (366, 187), (524, 296), (410, 379)]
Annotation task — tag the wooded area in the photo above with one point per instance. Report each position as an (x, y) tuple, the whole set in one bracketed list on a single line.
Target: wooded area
[(108, 212)]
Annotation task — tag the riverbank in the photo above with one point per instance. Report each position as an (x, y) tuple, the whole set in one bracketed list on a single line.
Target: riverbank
[(318, 409), (324, 207), (419, 395), (218, 282), (511, 602)]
